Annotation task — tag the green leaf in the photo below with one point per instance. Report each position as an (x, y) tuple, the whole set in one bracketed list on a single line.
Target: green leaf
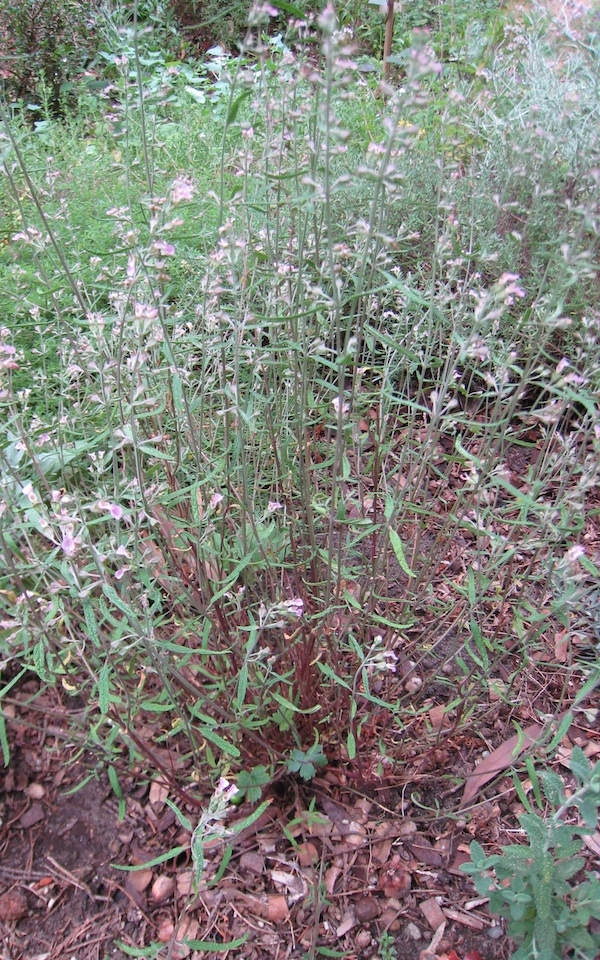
[(399, 552), (588, 808), (227, 853), (553, 787), (4, 742), (185, 823), (580, 765), (235, 107), (114, 782), (351, 745), (103, 689), (289, 8), (209, 734), (252, 818), (537, 831), (542, 890), (169, 855), (214, 947), (149, 952)]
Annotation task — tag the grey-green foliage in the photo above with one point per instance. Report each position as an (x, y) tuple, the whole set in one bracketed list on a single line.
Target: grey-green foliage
[(535, 886)]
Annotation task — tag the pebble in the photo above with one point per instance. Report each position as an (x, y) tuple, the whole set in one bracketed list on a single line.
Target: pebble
[(494, 933), (412, 932)]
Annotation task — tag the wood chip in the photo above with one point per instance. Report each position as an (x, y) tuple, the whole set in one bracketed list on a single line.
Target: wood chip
[(433, 913), (252, 862), (466, 919), (348, 922), (33, 815)]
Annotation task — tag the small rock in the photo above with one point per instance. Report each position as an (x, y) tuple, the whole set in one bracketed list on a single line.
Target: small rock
[(165, 931), (162, 888), (366, 909), (13, 906), (412, 932), (494, 933), (35, 791), (139, 879)]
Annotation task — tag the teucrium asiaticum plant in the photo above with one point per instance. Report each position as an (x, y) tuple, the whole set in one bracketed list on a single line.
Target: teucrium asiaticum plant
[(534, 885)]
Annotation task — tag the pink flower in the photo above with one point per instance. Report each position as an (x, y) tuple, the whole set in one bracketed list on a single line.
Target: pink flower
[(182, 190), (161, 246)]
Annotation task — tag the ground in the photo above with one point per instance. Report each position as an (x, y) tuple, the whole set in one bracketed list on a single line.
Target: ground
[(323, 857)]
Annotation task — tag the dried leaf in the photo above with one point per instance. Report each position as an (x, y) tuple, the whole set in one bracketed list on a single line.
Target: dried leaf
[(348, 922), (498, 760), (592, 842), (294, 884), (332, 874), (159, 791), (273, 908), (423, 851), (561, 646), (436, 716), (307, 854)]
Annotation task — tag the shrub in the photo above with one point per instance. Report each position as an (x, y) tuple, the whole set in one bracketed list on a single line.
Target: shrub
[(45, 41)]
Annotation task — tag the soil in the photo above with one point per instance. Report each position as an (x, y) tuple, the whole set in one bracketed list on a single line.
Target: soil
[(63, 833)]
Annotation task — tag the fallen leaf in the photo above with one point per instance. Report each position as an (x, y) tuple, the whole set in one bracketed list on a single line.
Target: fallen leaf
[(396, 882), (592, 842), (332, 874), (423, 851), (561, 646), (498, 760), (307, 854), (273, 908), (294, 884), (436, 717), (159, 791), (348, 922)]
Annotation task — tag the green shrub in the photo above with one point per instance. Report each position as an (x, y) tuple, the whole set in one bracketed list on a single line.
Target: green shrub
[(45, 41), (538, 886)]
